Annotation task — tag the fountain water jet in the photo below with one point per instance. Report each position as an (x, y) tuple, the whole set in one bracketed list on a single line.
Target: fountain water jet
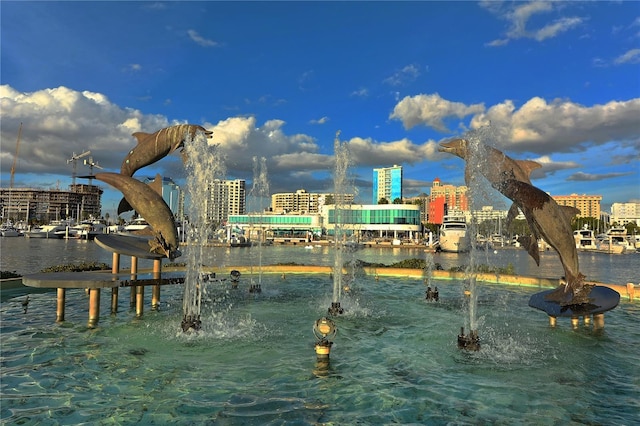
[(342, 159), (204, 164), (258, 193)]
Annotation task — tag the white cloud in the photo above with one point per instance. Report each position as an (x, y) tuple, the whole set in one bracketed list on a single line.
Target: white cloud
[(322, 120), (204, 42), (431, 110), (519, 17), (629, 57), (561, 125), (404, 76)]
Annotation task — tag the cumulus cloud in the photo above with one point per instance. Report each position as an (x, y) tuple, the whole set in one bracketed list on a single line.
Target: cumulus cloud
[(560, 125), (373, 153), (61, 121), (431, 110)]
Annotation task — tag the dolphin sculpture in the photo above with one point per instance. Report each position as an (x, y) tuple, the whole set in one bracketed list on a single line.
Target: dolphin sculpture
[(155, 146), (501, 165), (552, 222), (545, 217), (150, 205)]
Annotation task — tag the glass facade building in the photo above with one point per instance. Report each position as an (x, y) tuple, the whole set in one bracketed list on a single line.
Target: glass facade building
[(387, 184)]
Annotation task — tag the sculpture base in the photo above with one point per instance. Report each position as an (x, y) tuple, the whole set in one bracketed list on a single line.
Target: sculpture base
[(601, 299), (128, 245)]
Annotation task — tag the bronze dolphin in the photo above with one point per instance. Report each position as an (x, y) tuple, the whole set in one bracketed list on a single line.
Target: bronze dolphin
[(500, 162), (545, 217), (500, 166), (150, 205), (552, 222), (155, 146)]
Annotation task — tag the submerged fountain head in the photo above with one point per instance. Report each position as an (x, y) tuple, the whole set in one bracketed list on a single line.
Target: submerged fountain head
[(470, 342)]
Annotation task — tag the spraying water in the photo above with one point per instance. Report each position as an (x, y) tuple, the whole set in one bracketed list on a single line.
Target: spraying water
[(204, 165), (342, 157), (258, 193), (480, 193)]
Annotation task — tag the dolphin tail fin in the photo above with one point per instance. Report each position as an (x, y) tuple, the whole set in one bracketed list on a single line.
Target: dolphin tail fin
[(512, 214), (140, 136), (528, 166), (124, 206), (569, 212)]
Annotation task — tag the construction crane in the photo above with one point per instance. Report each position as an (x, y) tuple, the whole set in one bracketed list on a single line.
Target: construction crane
[(74, 159), (91, 165), (15, 159)]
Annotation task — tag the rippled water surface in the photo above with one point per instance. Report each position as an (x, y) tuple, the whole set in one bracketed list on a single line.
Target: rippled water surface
[(394, 359)]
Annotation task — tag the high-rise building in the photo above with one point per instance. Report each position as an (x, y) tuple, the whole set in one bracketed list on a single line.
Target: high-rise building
[(44, 205), (304, 202), (225, 197), (387, 184), (446, 198), (623, 213), (589, 205)]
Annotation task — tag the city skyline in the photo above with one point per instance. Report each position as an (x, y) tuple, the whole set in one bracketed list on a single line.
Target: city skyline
[(551, 82)]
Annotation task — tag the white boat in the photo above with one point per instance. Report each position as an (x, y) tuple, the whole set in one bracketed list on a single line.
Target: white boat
[(137, 224), (615, 241), (8, 230), (239, 241), (88, 229), (453, 234), (585, 239), (46, 231)]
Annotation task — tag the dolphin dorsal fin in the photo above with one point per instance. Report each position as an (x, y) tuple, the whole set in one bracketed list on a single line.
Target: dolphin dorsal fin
[(156, 185), (569, 212), (528, 166), (124, 206), (140, 136)]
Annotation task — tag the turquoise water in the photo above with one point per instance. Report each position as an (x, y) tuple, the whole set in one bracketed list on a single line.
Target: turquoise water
[(394, 360)]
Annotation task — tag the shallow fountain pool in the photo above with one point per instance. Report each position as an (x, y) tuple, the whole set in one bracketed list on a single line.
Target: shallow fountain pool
[(394, 360)]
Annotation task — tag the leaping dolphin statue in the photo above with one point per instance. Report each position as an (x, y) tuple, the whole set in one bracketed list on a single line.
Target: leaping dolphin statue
[(545, 217), (150, 205), (155, 146), (552, 222)]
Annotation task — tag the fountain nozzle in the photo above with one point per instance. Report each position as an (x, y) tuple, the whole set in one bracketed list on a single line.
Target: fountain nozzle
[(191, 323), (335, 309), (470, 342)]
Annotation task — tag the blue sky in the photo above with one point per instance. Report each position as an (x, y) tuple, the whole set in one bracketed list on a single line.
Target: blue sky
[(556, 82)]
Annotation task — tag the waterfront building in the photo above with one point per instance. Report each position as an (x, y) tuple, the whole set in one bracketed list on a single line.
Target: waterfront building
[(421, 200), (624, 213), (589, 205), (303, 202), (226, 197), (46, 205), (360, 222), (387, 184), (444, 198)]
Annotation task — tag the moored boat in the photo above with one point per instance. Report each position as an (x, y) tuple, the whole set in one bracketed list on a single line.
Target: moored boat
[(453, 234), (8, 230)]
